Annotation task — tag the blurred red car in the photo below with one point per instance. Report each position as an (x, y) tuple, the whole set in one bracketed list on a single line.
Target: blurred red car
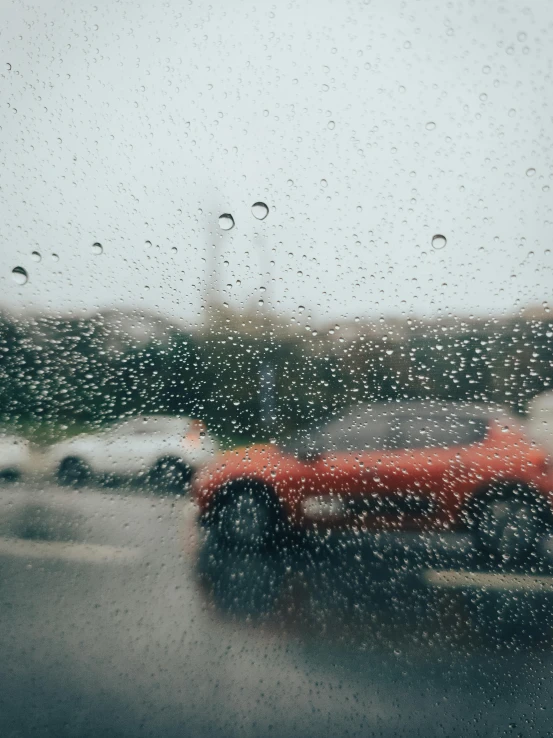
[(426, 466)]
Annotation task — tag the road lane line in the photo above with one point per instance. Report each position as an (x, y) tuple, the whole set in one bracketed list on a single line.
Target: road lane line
[(456, 579), (67, 551)]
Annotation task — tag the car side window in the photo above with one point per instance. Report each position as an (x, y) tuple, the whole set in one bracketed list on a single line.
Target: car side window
[(363, 433), (440, 431)]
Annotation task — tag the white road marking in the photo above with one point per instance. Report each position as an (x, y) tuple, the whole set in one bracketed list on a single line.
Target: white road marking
[(458, 579), (78, 552)]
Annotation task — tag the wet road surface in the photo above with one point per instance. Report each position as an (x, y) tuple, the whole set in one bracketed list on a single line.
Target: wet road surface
[(105, 630)]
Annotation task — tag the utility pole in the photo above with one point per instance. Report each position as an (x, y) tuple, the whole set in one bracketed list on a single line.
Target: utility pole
[(212, 298), (267, 370)]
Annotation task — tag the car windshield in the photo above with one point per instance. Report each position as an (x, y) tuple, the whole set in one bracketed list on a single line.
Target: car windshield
[(276, 369)]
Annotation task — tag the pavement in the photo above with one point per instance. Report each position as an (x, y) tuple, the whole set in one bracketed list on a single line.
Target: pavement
[(106, 630)]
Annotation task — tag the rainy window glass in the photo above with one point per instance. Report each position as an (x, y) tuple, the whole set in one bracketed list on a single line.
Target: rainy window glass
[(276, 369), (441, 431)]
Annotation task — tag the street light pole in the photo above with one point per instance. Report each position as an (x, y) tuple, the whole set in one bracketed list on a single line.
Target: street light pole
[(267, 370)]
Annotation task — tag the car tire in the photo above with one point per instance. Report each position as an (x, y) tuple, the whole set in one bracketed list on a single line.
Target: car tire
[(246, 518), (170, 475), (508, 530), (242, 558), (73, 471), (10, 476)]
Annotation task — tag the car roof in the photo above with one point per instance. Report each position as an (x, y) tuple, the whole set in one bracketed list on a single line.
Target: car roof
[(426, 407)]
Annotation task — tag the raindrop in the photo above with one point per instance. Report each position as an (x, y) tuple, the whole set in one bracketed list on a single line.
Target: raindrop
[(148, 244), (173, 249), (226, 222), (512, 113), (430, 125), (324, 183), (331, 124), (55, 257), (530, 172), (97, 248), (8, 66), (439, 241), (35, 256), (19, 275), (260, 210)]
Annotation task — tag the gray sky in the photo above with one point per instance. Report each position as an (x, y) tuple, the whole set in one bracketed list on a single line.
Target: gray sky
[(131, 122)]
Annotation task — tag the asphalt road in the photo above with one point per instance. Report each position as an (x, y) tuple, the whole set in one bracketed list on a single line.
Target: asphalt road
[(106, 631)]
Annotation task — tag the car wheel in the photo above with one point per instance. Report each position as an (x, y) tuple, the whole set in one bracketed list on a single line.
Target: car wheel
[(242, 558), (508, 531), (73, 472), (170, 475), (10, 476), (246, 519)]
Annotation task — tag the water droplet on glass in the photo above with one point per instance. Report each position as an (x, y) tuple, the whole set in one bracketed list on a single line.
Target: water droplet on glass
[(148, 244), (97, 248), (430, 125), (301, 309), (521, 36), (290, 182), (512, 113), (226, 222), (8, 66), (331, 124), (486, 69), (19, 275), (55, 257), (173, 249), (439, 241), (260, 210), (35, 256), (324, 183), (530, 172)]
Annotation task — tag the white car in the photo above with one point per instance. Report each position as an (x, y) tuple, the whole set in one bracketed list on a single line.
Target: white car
[(540, 420), (14, 457), (164, 449)]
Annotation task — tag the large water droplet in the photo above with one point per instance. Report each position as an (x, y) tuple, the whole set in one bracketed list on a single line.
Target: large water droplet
[(331, 124), (439, 241), (530, 172), (55, 257), (20, 275), (260, 210), (430, 125), (97, 248), (226, 222), (35, 256)]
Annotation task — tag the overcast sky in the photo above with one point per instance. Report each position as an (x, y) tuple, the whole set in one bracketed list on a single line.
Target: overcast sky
[(366, 127)]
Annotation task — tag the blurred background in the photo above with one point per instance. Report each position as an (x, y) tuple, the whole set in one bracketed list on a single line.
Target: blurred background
[(256, 215)]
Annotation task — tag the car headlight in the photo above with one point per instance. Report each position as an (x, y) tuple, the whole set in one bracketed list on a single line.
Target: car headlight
[(323, 507)]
